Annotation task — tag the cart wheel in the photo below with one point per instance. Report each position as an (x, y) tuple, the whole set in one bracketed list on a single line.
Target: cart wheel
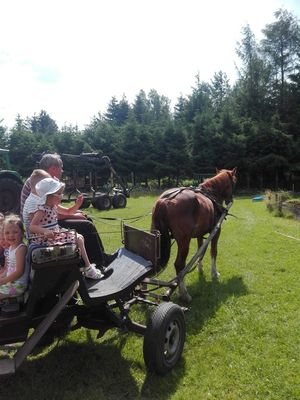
[(10, 191), (119, 200), (164, 338), (86, 201), (102, 202)]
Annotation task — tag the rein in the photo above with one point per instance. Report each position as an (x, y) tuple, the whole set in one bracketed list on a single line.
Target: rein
[(132, 219), (122, 219)]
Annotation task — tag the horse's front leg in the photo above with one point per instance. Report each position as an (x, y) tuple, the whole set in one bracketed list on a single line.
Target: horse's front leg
[(213, 253), (182, 253), (200, 265)]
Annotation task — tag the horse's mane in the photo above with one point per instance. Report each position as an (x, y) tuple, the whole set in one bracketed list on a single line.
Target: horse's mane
[(217, 182)]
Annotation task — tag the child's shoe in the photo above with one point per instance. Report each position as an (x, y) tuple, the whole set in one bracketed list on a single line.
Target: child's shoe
[(92, 272)]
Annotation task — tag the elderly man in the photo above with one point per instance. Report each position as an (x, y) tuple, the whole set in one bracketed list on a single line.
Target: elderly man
[(52, 163)]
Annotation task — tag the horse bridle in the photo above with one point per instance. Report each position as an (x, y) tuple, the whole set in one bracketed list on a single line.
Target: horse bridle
[(232, 181)]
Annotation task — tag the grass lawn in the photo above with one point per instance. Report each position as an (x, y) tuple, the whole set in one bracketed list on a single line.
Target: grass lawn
[(243, 332)]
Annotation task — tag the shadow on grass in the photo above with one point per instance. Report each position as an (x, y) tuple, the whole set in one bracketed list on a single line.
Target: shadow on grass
[(89, 370), (73, 371), (208, 296), (162, 387), (97, 370)]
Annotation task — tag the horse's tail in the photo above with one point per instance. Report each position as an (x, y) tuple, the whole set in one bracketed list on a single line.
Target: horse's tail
[(160, 223)]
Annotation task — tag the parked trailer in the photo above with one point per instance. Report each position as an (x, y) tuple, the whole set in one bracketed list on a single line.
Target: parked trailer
[(115, 197), (57, 284)]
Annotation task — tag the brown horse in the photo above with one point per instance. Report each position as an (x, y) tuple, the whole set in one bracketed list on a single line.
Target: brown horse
[(183, 214)]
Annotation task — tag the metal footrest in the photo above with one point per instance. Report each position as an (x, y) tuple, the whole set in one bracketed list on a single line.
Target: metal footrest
[(121, 276)]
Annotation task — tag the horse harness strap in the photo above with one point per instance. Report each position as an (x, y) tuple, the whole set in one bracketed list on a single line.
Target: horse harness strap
[(218, 207), (175, 192)]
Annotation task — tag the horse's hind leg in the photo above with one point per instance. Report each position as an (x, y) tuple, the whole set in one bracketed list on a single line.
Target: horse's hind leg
[(200, 265), (214, 252), (182, 253)]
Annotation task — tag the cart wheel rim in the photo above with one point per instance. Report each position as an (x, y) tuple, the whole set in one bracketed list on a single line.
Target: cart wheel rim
[(172, 340), (106, 203)]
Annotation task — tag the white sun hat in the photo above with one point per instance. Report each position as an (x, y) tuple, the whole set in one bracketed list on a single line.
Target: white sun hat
[(47, 186)]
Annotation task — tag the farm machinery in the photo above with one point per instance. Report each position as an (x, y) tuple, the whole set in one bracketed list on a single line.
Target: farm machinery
[(82, 175), (83, 172), (10, 185)]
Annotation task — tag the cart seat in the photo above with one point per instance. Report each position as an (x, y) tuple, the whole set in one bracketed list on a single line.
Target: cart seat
[(122, 275), (41, 256), (12, 305), (53, 269)]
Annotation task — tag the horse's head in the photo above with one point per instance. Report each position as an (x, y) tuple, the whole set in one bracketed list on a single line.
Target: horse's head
[(221, 185), (227, 182)]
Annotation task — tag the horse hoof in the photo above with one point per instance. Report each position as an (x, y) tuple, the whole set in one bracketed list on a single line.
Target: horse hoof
[(216, 276)]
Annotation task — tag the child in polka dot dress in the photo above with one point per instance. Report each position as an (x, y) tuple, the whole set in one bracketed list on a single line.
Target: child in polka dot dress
[(44, 224)]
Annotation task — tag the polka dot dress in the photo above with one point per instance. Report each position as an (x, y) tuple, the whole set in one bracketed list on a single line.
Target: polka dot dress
[(49, 221)]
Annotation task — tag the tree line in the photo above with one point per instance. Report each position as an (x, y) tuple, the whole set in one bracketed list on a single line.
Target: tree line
[(253, 124)]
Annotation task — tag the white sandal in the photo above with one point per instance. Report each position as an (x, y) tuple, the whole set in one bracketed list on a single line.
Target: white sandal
[(92, 272)]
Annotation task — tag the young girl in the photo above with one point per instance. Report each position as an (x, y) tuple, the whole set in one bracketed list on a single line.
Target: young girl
[(2, 242), (3, 249), (32, 201), (44, 223), (15, 279)]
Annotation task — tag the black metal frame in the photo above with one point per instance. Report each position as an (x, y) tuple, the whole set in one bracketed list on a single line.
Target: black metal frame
[(55, 286)]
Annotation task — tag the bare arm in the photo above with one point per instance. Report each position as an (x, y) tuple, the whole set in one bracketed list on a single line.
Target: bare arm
[(20, 266), (35, 225), (3, 269), (64, 212)]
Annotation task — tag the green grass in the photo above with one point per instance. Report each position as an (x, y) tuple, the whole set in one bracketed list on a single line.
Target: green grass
[(243, 332)]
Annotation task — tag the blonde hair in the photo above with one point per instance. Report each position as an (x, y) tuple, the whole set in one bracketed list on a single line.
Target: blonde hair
[(14, 219), (36, 176)]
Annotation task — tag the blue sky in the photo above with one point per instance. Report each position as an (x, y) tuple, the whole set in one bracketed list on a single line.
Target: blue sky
[(69, 57)]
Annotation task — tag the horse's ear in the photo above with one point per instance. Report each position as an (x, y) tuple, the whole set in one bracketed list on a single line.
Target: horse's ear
[(217, 171), (234, 171)]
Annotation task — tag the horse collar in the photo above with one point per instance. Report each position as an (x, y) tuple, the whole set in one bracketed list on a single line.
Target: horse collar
[(210, 196)]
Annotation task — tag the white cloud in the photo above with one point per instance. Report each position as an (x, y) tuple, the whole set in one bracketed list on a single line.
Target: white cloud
[(70, 57)]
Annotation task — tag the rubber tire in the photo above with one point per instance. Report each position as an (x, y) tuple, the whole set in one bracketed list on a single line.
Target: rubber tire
[(165, 332), (97, 194), (10, 193), (119, 200), (102, 202), (86, 201)]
